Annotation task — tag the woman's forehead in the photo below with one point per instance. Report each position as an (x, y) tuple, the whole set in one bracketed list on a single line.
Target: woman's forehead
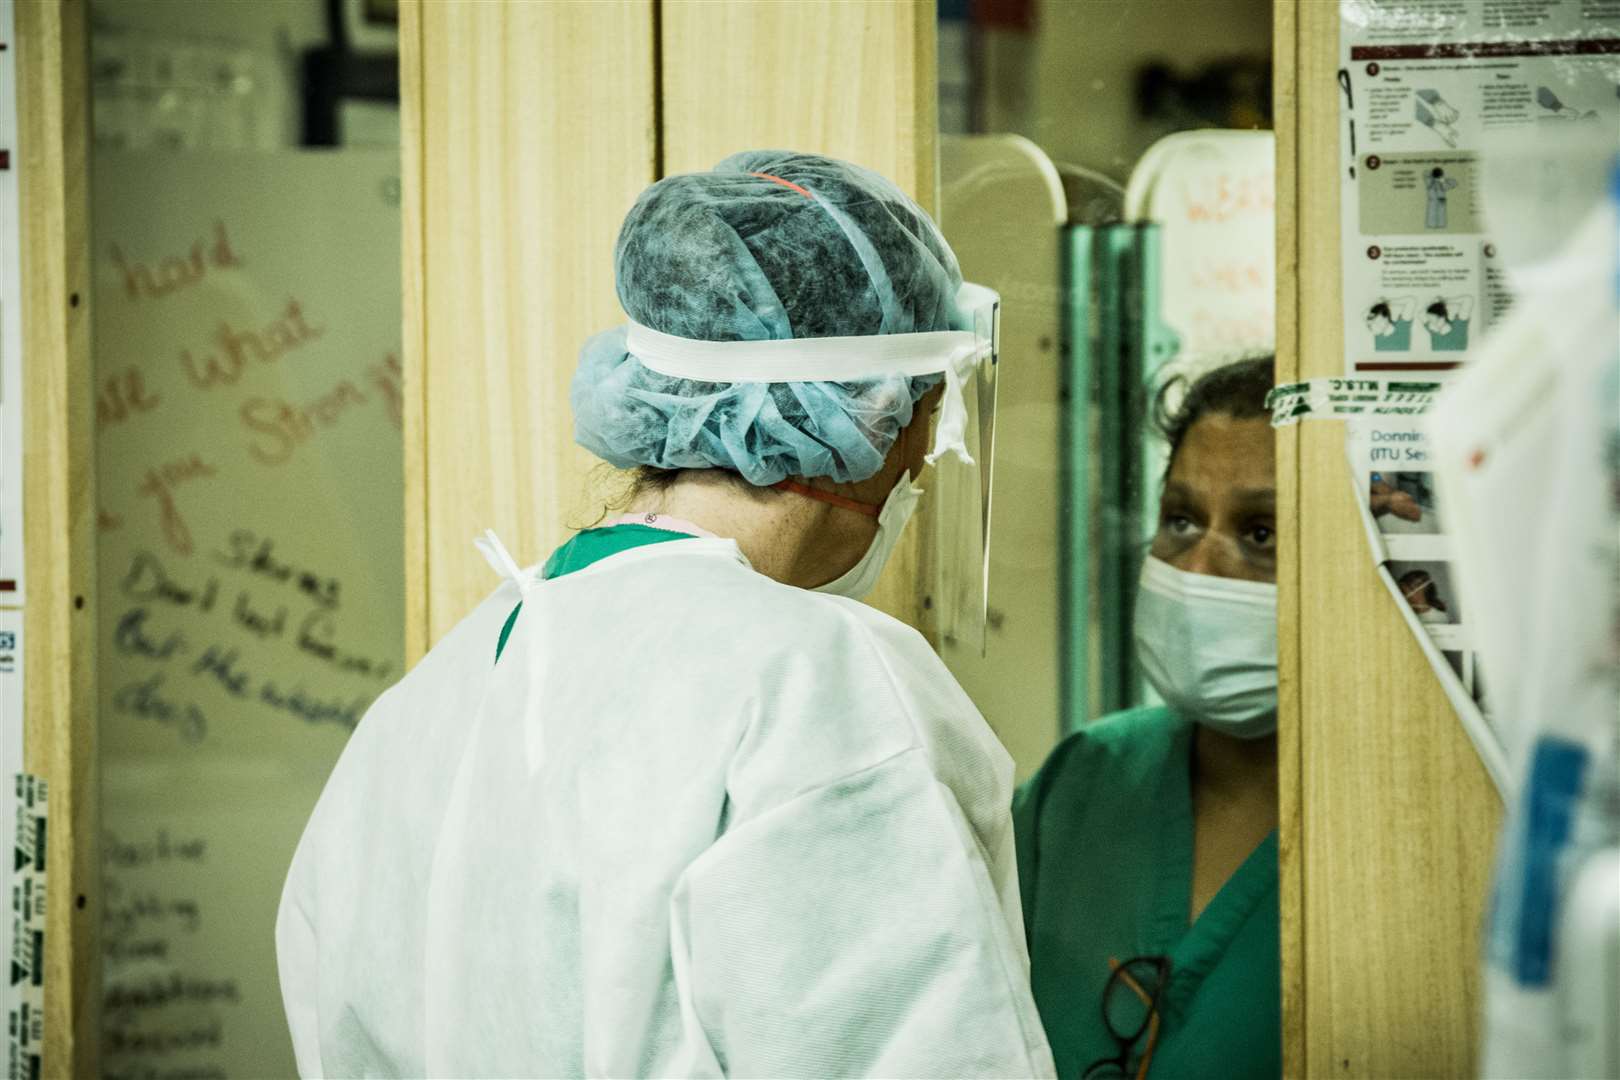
[(1221, 453)]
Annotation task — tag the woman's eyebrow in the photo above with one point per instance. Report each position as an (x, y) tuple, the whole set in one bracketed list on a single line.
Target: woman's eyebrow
[(1256, 498)]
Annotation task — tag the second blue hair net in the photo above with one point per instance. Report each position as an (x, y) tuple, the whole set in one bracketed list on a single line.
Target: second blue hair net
[(769, 245)]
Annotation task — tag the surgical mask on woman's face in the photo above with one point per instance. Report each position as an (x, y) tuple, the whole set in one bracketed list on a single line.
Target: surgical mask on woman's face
[(892, 519), (1209, 647)]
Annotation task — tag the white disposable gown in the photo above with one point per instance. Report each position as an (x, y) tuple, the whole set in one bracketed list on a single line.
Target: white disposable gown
[(694, 823)]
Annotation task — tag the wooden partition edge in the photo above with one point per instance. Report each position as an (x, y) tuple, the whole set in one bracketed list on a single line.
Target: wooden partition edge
[(1290, 732), (778, 85), (413, 267), (925, 157), (925, 104), (59, 669), (526, 160)]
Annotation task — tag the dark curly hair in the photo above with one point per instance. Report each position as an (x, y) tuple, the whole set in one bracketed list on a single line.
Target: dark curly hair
[(1237, 390)]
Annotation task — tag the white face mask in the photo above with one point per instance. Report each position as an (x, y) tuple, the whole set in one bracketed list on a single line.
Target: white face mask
[(892, 519), (1209, 647)]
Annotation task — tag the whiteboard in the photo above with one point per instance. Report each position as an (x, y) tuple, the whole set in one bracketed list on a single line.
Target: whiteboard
[(1213, 194), (250, 597)]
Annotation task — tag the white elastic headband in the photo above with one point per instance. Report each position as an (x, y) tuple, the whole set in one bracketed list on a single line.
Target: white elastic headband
[(828, 359), (953, 353)]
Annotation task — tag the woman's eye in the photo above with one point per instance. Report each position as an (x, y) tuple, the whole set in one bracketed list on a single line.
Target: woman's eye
[(1178, 524), (1262, 535)]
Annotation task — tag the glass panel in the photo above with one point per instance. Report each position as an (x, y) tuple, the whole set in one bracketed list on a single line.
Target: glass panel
[(1052, 121), (246, 232)]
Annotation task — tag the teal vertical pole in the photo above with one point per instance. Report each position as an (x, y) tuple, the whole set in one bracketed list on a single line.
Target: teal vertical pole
[(1158, 346), (1132, 343), (1155, 344), (1116, 520), (1077, 400)]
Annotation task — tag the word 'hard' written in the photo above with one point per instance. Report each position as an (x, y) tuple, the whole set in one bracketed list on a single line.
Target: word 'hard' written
[(172, 273)]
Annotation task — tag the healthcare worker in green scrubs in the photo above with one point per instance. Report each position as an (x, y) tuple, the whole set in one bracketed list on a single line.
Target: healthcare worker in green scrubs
[(1147, 844)]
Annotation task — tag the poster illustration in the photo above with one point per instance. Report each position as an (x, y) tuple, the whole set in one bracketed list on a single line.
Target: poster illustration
[(1429, 91)]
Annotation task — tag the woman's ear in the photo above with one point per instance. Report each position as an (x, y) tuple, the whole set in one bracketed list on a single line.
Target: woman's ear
[(918, 435)]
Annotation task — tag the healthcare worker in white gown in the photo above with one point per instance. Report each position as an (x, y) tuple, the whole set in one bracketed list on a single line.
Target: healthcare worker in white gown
[(706, 814)]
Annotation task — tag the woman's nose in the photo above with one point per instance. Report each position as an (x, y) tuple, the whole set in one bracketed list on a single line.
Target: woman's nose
[(1210, 555)]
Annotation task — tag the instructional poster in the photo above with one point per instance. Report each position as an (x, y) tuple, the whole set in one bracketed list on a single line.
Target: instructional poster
[(1428, 89), (11, 358), (1393, 465), (1434, 96)]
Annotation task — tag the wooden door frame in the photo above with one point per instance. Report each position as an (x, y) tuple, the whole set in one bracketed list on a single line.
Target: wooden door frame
[(59, 657), (1388, 820)]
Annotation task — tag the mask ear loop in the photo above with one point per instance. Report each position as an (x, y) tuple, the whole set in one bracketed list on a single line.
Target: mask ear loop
[(869, 509)]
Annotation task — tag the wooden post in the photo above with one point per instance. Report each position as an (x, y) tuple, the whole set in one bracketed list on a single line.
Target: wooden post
[(59, 668), (528, 131), (854, 80), (1388, 820)]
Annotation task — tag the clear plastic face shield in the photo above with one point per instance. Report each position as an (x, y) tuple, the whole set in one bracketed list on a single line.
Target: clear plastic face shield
[(964, 434), (963, 485)]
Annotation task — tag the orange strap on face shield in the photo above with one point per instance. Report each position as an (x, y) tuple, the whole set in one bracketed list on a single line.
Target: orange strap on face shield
[(869, 509)]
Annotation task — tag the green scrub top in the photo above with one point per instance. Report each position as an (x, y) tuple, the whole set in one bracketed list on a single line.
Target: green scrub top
[(1105, 852), (588, 547)]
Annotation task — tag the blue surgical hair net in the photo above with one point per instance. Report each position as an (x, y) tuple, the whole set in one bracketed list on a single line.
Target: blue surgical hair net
[(769, 245)]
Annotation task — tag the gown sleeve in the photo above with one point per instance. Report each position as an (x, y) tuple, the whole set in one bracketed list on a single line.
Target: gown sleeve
[(298, 967), (854, 931)]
